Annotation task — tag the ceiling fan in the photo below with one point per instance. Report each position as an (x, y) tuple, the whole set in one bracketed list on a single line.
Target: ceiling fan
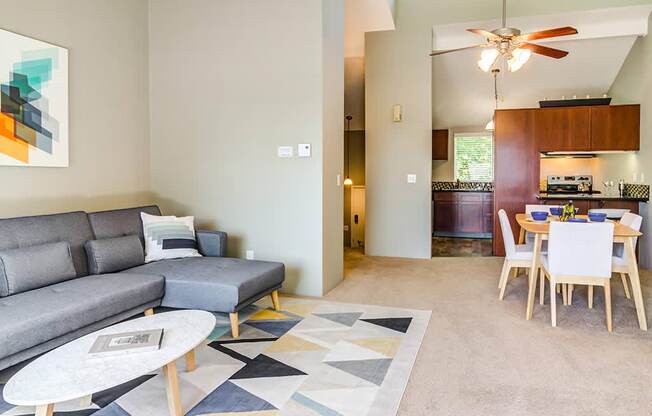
[(515, 48)]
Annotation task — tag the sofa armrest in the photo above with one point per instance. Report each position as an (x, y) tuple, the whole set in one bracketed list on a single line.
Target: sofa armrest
[(211, 243)]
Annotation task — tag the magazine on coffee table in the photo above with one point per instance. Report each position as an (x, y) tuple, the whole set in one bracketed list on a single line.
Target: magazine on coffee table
[(126, 343)]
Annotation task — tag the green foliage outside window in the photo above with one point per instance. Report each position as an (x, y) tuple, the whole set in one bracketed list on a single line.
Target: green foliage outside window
[(474, 158)]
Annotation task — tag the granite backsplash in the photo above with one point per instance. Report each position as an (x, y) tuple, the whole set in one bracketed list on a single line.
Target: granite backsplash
[(471, 186)]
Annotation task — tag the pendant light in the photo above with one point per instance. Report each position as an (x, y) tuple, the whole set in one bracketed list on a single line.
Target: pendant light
[(348, 181), (490, 124)]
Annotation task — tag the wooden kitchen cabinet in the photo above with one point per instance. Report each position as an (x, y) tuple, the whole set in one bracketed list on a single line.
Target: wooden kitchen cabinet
[(516, 168), (440, 145), (462, 212), (615, 127), (563, 129)]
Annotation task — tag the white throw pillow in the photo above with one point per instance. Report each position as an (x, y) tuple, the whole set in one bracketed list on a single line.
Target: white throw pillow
[(168, 237)]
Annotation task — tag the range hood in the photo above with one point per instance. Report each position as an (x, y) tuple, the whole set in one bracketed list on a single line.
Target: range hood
[(583, 155)]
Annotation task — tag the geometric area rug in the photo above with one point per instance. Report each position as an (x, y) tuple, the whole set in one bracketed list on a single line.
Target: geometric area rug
[(312, 358)]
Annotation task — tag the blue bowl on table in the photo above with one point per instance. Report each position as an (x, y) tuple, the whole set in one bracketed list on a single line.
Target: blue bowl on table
[(597, 216), (577, 220), (539, 215), (556, 211)]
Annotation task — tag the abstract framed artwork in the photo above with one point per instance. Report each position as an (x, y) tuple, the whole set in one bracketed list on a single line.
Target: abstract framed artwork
[(33, 102)]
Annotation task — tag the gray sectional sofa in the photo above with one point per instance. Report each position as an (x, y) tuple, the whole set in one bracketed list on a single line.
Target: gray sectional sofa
[(50, 296)]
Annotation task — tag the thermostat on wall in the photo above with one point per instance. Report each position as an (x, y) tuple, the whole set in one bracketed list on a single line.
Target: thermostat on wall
[(285, 151), (304, 150)]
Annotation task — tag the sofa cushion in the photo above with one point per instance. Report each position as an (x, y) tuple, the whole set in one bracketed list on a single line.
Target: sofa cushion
[(33, 317), (169, 237), (23, 269), (218, 284), (72, 227), (114, 254), (120, 222)]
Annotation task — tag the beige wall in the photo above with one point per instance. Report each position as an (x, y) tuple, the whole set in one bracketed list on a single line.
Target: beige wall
[(109, 115), (398, 71), (354, 91), (333, 140), (634, 85), (230, 82)]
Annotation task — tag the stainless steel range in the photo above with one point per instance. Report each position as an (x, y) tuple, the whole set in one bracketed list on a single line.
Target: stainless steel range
[(575, 184)]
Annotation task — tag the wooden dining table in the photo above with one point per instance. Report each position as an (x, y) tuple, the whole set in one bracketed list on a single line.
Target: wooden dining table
[(622, 234)]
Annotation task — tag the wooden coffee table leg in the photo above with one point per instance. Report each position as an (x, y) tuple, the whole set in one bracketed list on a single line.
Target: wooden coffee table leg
[(172, 388), (45, 410), (191, 362)]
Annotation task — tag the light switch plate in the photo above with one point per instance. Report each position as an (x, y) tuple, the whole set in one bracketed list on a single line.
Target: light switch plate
[(411, 178), (285, 151), (346, 228), (303, 150)]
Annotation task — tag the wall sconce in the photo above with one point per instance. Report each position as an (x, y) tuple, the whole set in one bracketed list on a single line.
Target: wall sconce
[(397, 113)]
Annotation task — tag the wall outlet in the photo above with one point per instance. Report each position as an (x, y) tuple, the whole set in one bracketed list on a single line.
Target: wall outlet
[(249, 255), (411, 178), (346, 228)]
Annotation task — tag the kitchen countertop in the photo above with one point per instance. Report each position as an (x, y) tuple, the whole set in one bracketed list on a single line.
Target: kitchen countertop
[(593, 197)]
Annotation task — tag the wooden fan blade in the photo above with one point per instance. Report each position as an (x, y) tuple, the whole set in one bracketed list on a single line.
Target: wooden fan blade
[(435, 53), (484, 33), (544, 50), (550, 33)]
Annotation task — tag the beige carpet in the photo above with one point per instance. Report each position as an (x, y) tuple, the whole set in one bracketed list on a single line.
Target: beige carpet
[(481, 357)]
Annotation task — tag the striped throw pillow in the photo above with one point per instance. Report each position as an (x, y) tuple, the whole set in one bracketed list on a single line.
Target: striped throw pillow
[(168, 237)]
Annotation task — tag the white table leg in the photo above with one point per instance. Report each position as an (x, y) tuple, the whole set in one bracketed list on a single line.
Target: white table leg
[(172, 388), (45, 410), (636, 283), (532, 281)]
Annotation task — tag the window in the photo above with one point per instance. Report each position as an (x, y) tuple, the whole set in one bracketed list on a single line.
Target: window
[(474, 157)]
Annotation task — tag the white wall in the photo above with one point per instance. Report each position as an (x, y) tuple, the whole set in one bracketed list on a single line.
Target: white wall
[(109, 123), (231, 81), (632, 86)]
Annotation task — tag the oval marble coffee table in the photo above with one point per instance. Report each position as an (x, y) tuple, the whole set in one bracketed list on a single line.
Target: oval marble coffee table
[(68, 373)]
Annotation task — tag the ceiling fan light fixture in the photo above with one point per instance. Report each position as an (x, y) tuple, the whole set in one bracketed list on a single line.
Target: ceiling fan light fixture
[(487, 59), (518, 59)]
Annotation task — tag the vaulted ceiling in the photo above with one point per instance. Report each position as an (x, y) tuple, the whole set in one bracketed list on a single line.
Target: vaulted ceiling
[(463, 95)]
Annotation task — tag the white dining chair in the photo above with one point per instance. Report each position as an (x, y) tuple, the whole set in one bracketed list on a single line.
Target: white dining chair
[(529, 209), (579, 254), (516, 255), (619, 261)]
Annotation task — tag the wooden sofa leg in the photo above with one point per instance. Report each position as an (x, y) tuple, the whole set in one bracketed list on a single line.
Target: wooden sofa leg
[(275, 301), (235, 330), (149, 312)]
